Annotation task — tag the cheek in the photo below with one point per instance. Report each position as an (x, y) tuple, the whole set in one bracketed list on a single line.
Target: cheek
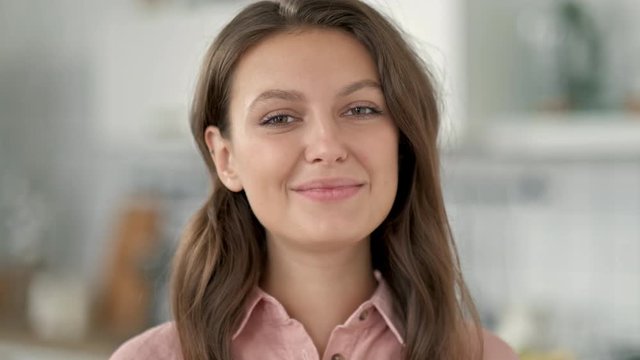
[(264, 167), (259, 157), (389, 163), (378, 154), (388, 170), (380, 151)]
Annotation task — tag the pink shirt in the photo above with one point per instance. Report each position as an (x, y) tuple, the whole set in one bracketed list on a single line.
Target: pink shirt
[(372, 332)]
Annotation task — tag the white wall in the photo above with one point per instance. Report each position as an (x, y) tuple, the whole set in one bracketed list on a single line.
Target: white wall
[(83, 84), (437, 30), (147, 65), (47, 130)]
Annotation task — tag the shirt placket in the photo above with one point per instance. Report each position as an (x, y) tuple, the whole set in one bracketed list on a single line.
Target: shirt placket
[(343, 338), (298, 341)]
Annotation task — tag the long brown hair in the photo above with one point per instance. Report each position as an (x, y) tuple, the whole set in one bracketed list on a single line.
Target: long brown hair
[(222, 253)]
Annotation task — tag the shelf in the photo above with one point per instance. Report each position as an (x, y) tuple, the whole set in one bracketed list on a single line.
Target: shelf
[(579, 135)]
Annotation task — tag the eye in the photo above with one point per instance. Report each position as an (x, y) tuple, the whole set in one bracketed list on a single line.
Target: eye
[(277, 120), (362, 111)]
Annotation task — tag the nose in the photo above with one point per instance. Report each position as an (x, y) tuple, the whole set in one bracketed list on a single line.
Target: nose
[(325, 142)]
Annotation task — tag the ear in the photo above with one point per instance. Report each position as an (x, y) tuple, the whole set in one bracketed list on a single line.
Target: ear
[(222, 156)]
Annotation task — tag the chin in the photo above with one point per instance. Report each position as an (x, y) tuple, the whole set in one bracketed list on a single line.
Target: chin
[(334, 236)]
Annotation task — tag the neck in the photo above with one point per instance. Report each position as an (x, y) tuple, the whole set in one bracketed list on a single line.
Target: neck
[(320, 289)]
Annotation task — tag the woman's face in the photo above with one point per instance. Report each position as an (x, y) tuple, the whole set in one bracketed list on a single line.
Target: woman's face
[(312, 142)]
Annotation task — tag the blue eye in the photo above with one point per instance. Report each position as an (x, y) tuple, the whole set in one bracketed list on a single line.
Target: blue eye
[(277, 120), (362, 111)]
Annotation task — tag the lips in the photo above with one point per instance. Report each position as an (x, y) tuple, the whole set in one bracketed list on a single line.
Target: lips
[(329, 189)]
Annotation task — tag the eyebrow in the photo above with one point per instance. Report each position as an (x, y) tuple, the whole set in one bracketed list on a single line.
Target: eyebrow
[(351, 88), (289, 95), (293, 95)]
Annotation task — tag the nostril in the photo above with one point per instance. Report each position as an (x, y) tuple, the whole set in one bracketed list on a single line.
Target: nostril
[(324, 152)]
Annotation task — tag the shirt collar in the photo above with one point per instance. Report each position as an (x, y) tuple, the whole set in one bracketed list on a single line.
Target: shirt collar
[(250, 304), (381, 299)]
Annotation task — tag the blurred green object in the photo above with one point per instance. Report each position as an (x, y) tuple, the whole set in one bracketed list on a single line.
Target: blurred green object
[(580, 57), (628, 355)]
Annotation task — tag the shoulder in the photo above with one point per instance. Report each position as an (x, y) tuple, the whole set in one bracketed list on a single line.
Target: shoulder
[(495, 348), (158, 343)]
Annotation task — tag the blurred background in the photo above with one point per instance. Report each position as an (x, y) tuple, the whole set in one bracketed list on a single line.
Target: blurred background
[(541, 165)]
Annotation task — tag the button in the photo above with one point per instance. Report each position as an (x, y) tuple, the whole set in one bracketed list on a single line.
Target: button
[(363, 315), (337, 357)]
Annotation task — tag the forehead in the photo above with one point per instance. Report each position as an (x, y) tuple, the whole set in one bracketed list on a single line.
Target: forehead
[(304, 60)]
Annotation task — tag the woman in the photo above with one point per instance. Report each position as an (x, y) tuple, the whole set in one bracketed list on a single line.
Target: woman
[(325, 236)]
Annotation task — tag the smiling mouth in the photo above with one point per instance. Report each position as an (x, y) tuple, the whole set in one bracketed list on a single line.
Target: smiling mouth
[(330, 193)]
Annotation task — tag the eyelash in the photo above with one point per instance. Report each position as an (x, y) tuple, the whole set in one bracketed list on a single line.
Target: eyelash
[(372, 110), (271, 120)]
